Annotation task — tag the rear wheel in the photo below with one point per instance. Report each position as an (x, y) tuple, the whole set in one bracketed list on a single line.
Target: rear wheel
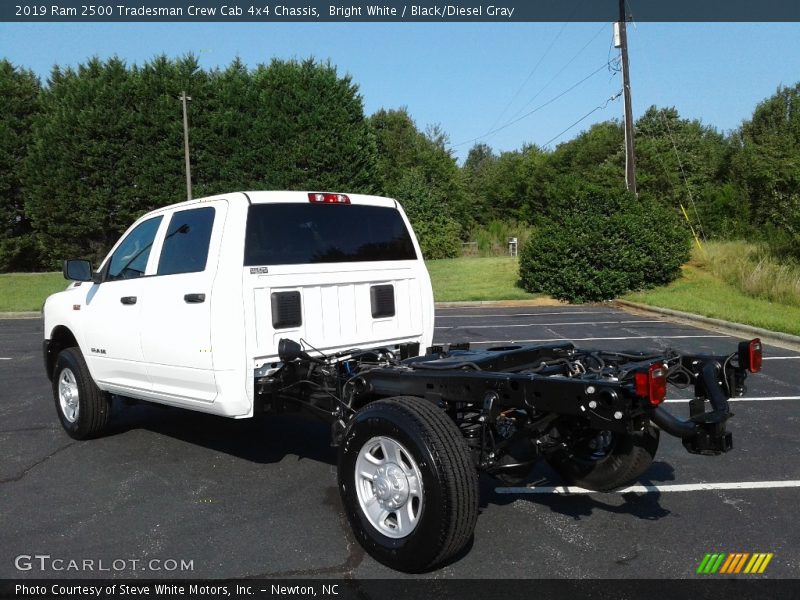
[(606, 460), (408, 484), (82, 407)]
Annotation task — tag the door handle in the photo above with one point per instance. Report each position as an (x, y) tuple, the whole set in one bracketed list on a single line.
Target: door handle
[(128, 299), (194, 298)]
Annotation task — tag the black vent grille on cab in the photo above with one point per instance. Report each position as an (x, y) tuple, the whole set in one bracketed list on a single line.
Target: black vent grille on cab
[(382, 300), (286, 310)]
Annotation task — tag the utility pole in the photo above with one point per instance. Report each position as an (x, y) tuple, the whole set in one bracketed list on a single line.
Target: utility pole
[(184, 98), (621, 41)]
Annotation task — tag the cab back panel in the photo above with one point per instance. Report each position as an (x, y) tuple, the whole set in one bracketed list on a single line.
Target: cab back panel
[(337, 305)]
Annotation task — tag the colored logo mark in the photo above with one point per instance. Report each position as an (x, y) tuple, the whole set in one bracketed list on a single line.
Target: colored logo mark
[(735, 563)]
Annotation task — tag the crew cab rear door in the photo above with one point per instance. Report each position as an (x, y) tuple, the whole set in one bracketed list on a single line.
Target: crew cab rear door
[(176, 308)]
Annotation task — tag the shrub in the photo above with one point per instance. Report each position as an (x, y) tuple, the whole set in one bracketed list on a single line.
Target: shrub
[(438, 237), (602, 245)]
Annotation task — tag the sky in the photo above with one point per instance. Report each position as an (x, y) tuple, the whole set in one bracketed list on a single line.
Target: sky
[(471, 79)]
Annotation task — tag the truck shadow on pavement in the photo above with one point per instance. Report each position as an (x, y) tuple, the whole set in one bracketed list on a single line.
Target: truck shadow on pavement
[(264, 439), (641, 505), (272, 438)]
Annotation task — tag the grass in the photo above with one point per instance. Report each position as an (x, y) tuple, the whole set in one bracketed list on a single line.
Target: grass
[(751, 269), (460, 279), (704, 293), (27, 291)]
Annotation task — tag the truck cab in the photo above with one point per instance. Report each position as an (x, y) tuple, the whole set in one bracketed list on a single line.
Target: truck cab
[(188, 307)]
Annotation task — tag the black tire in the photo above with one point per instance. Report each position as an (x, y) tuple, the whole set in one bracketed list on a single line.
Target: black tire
[(447, 506), (623, 461), (71, 376)]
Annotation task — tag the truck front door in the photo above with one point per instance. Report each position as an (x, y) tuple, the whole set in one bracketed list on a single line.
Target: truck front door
[(113, 310)]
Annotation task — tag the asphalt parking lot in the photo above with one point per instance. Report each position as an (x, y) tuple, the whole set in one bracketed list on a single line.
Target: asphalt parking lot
[(259, 498)]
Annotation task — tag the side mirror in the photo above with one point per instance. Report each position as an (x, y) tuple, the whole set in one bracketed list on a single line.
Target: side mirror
[(78, 270)]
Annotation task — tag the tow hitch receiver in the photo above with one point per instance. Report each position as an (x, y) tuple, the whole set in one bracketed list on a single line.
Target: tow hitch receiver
[(711, 439)]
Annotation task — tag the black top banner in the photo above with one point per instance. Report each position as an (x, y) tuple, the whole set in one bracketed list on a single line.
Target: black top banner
[(395, 11)]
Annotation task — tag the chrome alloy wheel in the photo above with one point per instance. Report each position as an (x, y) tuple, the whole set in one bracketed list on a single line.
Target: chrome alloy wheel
[(389, 487), (68, 395)]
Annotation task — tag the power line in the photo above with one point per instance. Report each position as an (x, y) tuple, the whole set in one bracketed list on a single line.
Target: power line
[(554, 77), (538, 108), (586, 116), (528, 78)]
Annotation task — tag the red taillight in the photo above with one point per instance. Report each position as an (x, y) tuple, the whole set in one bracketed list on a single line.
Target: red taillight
[(652, 384), (750, 355), (328, 198), (756, 355)]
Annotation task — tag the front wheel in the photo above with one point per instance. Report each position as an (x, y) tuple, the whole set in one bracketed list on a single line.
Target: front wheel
[(408, 484), (606, 460), (82, 407)]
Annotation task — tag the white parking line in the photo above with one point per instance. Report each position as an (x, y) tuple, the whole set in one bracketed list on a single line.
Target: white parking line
[(588, 339), (550, 324), (3, 358), (750, 399), (781, 358), (644, 489)]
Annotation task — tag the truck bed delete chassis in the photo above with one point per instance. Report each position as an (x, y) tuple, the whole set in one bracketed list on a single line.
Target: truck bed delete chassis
[(516, 404)]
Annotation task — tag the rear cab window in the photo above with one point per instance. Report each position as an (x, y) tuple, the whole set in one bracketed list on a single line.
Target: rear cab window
[(298, 233), (186, 243)]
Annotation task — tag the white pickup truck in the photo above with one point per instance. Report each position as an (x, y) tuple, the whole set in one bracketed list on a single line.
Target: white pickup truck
[(265, 302), (188, 307)]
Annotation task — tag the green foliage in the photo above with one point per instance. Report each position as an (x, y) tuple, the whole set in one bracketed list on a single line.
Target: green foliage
[(507, 186), (766, 164), (419, 170), (603, 245), (492, 239), (80, 174), (107, 144), (19, 89), (309, 129), (439, 235), (681, 162)]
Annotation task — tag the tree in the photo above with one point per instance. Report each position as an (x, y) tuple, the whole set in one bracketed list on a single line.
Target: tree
[(309, 129), (766, 163), (155, 156), (419, 170), (682, 162), (20, 90), (79, 175)]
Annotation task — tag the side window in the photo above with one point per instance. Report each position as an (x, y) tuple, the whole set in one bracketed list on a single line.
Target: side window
[(130, 258), (186, 244)]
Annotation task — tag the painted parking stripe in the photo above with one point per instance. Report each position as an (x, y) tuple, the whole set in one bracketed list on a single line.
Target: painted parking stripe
[(549, 324), (781, 358), (589, 339), (4, 358), (645, 489), (747, 399)]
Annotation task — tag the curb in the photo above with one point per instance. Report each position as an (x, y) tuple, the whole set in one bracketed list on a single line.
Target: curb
[(500, 303), (776, 337), (20, 315)]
